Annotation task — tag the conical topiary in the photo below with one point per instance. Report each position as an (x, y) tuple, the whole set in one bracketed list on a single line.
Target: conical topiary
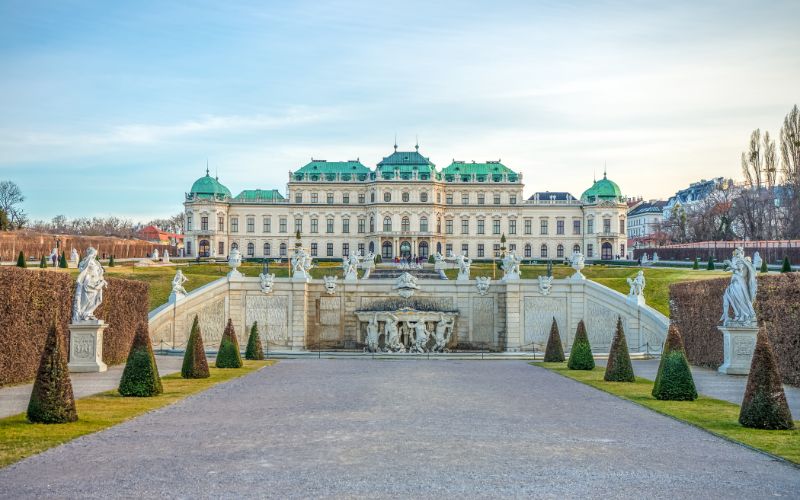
[(764, 405), (52, 401), (674, 381), (228, 355), (195, 364), (580, 356), (43, 262), (111, 262), (62, 261), (764, 267), (254, 349), (787, 266), (21, 260), (554, 352), (696, 264), (619, 368), (710, 265), (140, 377)]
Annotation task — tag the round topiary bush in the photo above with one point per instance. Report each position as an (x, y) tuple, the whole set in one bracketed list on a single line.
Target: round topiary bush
[(580, 355), (554, 352), (254, 350), (228, 355), (140, 377), (195, 364), (764, 405), (52, 400), (619, 368)]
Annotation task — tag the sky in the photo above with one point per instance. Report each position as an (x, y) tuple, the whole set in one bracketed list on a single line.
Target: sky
[(114, 108)]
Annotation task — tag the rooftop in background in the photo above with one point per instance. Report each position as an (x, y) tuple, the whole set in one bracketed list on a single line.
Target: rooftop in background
[(259, 195), (648, 207), (603, 190), (479, 172)]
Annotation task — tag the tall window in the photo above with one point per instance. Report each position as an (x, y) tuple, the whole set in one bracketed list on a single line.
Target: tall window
[(298, 197), (188, 222), (480, 250), (423, 196), (361, 249), (234, 224), (371, 225), (448, 249), (283, 249), (345, 225), (512, 199), (465, 199), (329, 226), (346, 198), (387, 224), (329, 198), (405, 197), (361, 199), (345, 249), (314, 198), (590, 226), (387, 196), (251, 249), (282, 224), (204, 223), (423, 224), (405, 225), (481, 199), (560, 251), (496, 199), (314, 250), (528, 250), (543, 226), (496, 249), (314, 225), (267, 249), (576, 248), (576, 227), (221, 248), (465, 249), (512, 227), (590, 250), (543, 251), (606, 225), (362, 225), (481, 224), (267, 224), (329, 250), (528, 226), (221, 223), (464, 226), (298, 225), (448, 226), (621, 226), (496, 226), (449, 199), (560, 226), (251, 224), (438, 226)]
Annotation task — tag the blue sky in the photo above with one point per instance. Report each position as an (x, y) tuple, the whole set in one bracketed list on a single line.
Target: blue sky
[(114, 107)]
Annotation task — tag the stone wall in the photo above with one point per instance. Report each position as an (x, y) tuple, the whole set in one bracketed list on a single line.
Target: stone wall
[(510, 316)]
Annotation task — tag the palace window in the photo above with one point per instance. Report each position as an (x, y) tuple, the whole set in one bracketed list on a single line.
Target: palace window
[(448, 249), (512, 199), (298, 198), (465, 199), (405, 225), (387, 196), (481, 224), (512, 247), (314, 198), (346, 198), (438, 226), (298, 225), (449, 199), (329, 226), (234, 245), (496, 226), (448, 226), (282, 224), (329, 198), (464, 226), (560, 251), (314, 250), (528, 250), (543, 226), (423, 224), (188, 222), (251, 224), (480, 250), (362, 225), (496, 199), (361, 198), (371, 225), (438, 197), (372, 197), (221, 247), (576, 227), (405, 197), (622, 250), (234, 224), (496, 249), (528, 226), (621, 226), (267, 224), (543, 251), (606, 226), (251, 249), (314, 225), (221, 223), (267, 249), (361, 249), (387, 224), (283, 250), (345, 225), (204, 223), (560, 226), (512, 227), (423, 196), (329, 250), (345, 249), (481, 199), (465, 249), (576, 248), (590, 250), (386, 250), (590, 226)]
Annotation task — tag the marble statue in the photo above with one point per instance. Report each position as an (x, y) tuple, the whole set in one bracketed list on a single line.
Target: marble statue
[(155, 255), (392, 340), (177, 284), (442, 333), (234, 261), (757, 261), (545, 284), (644, 259), (350, 267), (463, 263), (330, 284), (636, 285), (367, 264), (301, 265), (421, 336), (267, 281), (74, 257), (577, 262), (54, 253), (482, 284), (89, 288), (372, 334), (655, 257), (406, 285), (511, 266), (165, 258), (741, 292)]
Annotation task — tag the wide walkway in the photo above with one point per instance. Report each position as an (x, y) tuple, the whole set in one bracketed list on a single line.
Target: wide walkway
[(409, 428)]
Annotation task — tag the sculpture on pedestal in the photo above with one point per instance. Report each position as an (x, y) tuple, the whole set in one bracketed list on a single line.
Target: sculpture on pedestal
[(637, 284), (74, 257), (421, 336), (165, 258), (177, 284), (463, 263), (741, 292), (234, 261), (655, 257), (89, 288), (155, 255), (511, 266), (482, 283), (350, 267), (372, 334), (267, 280), (439, 265), (392, 340), (442, 333), (578, 263), (301, 265)]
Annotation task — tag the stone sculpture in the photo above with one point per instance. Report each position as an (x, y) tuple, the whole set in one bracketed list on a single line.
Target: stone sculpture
[(655, 257), (482, 284), (177, 284), (741, 292), (637, 284), (89, 288), (577, 262), (392, 341), (367, 264), (406, 285), (757, 261), (645, 261), (155, 255), (74, 257), (511, 266), (267, 281), (350, 267), (301, 265), (372, 334), (330, 284), (421, 336), (165, 258), (234, 261), (442, 333), (545, 284), (463, 263)]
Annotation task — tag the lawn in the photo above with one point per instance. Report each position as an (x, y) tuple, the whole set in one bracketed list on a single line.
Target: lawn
[(717, 417), (20, 439)]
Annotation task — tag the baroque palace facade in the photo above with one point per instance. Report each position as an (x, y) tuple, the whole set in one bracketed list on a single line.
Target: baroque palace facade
[(405, 207)]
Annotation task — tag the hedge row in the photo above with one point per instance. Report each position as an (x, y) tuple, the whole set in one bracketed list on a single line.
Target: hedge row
[(696, 308), (36, 244), (32, 300)]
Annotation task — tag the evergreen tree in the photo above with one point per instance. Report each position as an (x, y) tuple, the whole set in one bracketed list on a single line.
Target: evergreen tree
[(21, 260), (787, 266), (111, 261), (696, 264), (619, 368), (52, 401), (764, 405), (764, 267), (62, 261), (228, 355), (674, 381), (554, 352), (377, 258), (195, 364), (710, 265), (580, 356), (140, 377), (43, 262), (254, 349)]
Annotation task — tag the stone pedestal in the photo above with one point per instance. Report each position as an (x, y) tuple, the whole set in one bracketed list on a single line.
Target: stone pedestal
[(739, 342), (637, 300), (86, 346)]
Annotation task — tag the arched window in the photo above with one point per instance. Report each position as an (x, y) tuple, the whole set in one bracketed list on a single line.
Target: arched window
[(371, 247), (439, 246), (560, 251), (386, 250), (267, 249), (371, 225), (606, 251), (439, 227), (423, 224), (543, 251), (251, 249), (423, 196), (234, 245), (387, 224), (372, 197), (283, 249), (576, 248), (423, 249), (387, 196), (405, 225), (405, 197), (528, 250)]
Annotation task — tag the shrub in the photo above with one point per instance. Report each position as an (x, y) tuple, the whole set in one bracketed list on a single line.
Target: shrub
[(140, 377), (431, 260), (43, 263), (195, 364), (619, 368), (787, 266), (554, 352), (674, 381), (696, 264), (228, 355), (21, 260), (378, 258), (710, 265), (254, 349), (764, 267), (52, 401), (111, 261), (764, 405), (580, 356), (62, 261)]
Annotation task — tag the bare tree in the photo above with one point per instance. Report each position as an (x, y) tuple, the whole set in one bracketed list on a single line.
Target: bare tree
[(10, 199), (790, 160)]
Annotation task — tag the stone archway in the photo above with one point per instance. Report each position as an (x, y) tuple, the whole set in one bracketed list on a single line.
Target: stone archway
[(607, 251), (204, 249)]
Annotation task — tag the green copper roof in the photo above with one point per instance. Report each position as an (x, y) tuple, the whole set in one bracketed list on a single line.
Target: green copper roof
[(404, 164), (604, 189), (255, 195), (209, 187), (483, 172), (328, 170)]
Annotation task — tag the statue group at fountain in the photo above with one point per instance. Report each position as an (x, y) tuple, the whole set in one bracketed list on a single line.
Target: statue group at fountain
[(416, 331), (351, 263), (301, 265)]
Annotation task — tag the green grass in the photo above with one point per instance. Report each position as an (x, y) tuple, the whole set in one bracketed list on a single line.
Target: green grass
[(20, 439), (715, 416)]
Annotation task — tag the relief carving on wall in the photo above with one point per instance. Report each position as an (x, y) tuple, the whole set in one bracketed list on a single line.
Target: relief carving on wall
[(212, 322), (601, 324), (539, 313), (483, 314), (272, 314)]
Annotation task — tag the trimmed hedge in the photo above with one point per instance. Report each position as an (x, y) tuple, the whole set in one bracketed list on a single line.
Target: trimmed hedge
[(674, 381), (254, 350), (554, 352), (228, 355), (619, 368), (52, 400), (21, 260), (764, 405), (195, 364), (580, 355), (140, 377), (696, 307)]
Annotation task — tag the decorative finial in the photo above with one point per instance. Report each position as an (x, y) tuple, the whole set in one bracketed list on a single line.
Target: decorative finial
[(416, 146), (605, 169), (216, 174), (207, 168), (395, 142)]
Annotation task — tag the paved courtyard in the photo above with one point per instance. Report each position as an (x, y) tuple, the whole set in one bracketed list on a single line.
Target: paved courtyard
[(348, 427)]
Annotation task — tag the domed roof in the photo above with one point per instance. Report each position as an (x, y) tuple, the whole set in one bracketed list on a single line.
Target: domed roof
[(209, 187), (604, 189)]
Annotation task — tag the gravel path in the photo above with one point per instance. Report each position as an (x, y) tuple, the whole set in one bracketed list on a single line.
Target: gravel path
[(345, 428)]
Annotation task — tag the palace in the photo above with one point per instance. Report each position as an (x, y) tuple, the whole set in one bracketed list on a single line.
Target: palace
[(405, 207)]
